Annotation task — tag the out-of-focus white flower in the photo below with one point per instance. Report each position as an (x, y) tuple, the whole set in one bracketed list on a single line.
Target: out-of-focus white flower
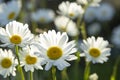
[(15, 33), (1, 1), (93, 76), (29, 5), (115, 38), (66, 25), (71, 10), (56, 49), (43, 15), (8, 63), (29, 59), (90, 14), (105, 12), (83, 2), (9, 11), (95, 50), (89, 2), (94, 28)]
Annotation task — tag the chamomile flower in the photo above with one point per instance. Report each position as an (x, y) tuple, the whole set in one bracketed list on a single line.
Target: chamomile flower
[(15, 33), (29, 60), (83, 2), (8, 63), (105, 12), (89, 2), (93, 76), (43, 15), (95, 50), (94, 28), (56, 49), (90, 14), (115, 38), (71, 10), (66, 25), (9, 11)]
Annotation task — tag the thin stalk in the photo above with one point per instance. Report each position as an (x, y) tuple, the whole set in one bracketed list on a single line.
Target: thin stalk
[(53, 73), (113, 77), (64, 74), (87, 71), (19, 68), (31, 75), (81, 26)]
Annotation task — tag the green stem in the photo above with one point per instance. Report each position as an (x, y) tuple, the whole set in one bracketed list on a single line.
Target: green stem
[(87, 71), (113, 77), (83, 31), (19, 68), (53, 73), (81, 23), (34, 27), (64, 74), (81, 26), (31, 75)]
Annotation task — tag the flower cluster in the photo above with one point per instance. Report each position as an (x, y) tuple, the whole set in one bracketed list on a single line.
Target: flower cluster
[(36, 46), (52, 49)]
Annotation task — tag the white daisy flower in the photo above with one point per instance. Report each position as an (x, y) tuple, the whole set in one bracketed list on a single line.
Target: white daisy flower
[(8, 63), (105, 12), (93, 76), (43, 16), (71, 10), (90, 14), (56, 49), (66, 25), (29, 59), (9, 11), (89, 2), (115, 38), (94, 28), (95, 50), (15, 33)]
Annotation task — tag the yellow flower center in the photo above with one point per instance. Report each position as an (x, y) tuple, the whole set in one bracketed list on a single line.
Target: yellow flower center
[(6, 63), (63, 28), (16, 39), (54, 52), (11, 15), (71, 14), (30, 59), (42, 19), (94, 52)]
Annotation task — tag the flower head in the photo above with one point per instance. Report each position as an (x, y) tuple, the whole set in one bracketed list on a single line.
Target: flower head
[(66, 25), (89, 2), (95, 50), (9, 11), (115, 38), (71, 10), (29, 59), (43, 15), (7, 63), (105, 12), (93, 76), (94, 28), (56, 49), (15, 33), (90, 14)]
